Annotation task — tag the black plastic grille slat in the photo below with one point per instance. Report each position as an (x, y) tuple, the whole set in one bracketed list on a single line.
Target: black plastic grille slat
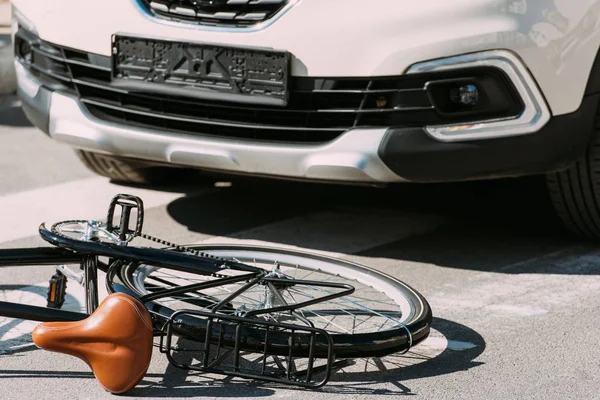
[(140, 121), (51, 66), (215, 12), (74, 55), (149, 112), (319, 109), (55, 54), (294, 120)]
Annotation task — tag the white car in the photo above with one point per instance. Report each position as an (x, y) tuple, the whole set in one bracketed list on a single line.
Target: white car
[(355, 91)]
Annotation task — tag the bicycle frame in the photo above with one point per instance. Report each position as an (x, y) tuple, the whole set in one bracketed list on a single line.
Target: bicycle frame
[(86, 254), (38, 256), (68, 251)]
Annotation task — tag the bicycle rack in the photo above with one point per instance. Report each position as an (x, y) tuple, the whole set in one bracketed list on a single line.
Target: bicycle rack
[(267, 366)]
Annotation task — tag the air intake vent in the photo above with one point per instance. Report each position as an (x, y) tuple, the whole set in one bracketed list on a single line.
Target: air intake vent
[(216, 12)]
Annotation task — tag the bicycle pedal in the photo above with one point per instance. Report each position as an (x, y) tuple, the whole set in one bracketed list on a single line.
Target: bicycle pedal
[(127, 204), (57, 291)]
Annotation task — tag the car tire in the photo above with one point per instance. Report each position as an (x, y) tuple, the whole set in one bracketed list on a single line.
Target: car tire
[(124, 170), (575, 193), (8, 77)]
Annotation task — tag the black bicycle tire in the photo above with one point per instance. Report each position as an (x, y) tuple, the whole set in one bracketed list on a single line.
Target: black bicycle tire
[(375, 344)]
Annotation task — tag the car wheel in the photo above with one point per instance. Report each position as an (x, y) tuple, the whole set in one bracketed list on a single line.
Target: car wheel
[(575, 193), (125, 170)]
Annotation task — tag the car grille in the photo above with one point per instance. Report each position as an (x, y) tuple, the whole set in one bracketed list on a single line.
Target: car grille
[(215, 12), (319, 109)]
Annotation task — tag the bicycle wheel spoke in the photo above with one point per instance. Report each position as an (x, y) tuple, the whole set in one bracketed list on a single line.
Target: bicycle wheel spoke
[(368, 309), (341, 304), (354, 317), (329, 322)]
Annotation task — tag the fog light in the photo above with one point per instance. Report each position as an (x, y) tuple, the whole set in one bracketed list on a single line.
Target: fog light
[(24, 51), (467, 95)]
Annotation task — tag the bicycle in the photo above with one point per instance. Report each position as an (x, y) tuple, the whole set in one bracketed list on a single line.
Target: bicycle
[(261, 313)]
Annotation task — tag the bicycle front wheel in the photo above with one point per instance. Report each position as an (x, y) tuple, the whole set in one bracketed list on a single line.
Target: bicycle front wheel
[(382, 316)]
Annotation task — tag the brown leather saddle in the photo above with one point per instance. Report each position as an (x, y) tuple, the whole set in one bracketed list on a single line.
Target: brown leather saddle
[(115, 341)]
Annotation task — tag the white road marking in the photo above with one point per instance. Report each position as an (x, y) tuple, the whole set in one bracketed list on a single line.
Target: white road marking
[(81, 199), (15, 333), (504, 296), (441, 343), (431, 348), (32, 295)]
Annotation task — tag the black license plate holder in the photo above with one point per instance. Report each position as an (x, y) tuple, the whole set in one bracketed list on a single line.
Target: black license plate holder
[(198, 70)]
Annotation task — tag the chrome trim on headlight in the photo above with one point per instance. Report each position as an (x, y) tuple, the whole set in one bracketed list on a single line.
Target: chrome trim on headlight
[(535, 114)]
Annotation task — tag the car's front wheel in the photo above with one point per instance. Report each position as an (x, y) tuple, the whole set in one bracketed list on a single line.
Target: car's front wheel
[(125, 170), (575, 193)]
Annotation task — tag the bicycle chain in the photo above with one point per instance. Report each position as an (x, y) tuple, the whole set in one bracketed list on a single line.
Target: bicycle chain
[(179, 247), (184, 249), (163, 242)]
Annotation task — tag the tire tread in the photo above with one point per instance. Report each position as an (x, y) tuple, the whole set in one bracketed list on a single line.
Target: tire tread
[(121, 169), (575, 192)]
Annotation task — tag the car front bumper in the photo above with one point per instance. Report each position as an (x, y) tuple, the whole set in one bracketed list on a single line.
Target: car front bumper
[(357, 156), (351, 157), (530, 142)]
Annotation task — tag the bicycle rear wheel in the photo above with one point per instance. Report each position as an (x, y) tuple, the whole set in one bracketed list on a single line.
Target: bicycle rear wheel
[(383, 315)]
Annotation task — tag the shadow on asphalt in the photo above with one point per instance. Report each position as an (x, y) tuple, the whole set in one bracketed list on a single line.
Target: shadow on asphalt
[(394, 372), (447, 362), (148, 388), (490, 225)]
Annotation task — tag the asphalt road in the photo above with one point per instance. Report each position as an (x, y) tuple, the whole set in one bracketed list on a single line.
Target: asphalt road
[(515, 299)]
